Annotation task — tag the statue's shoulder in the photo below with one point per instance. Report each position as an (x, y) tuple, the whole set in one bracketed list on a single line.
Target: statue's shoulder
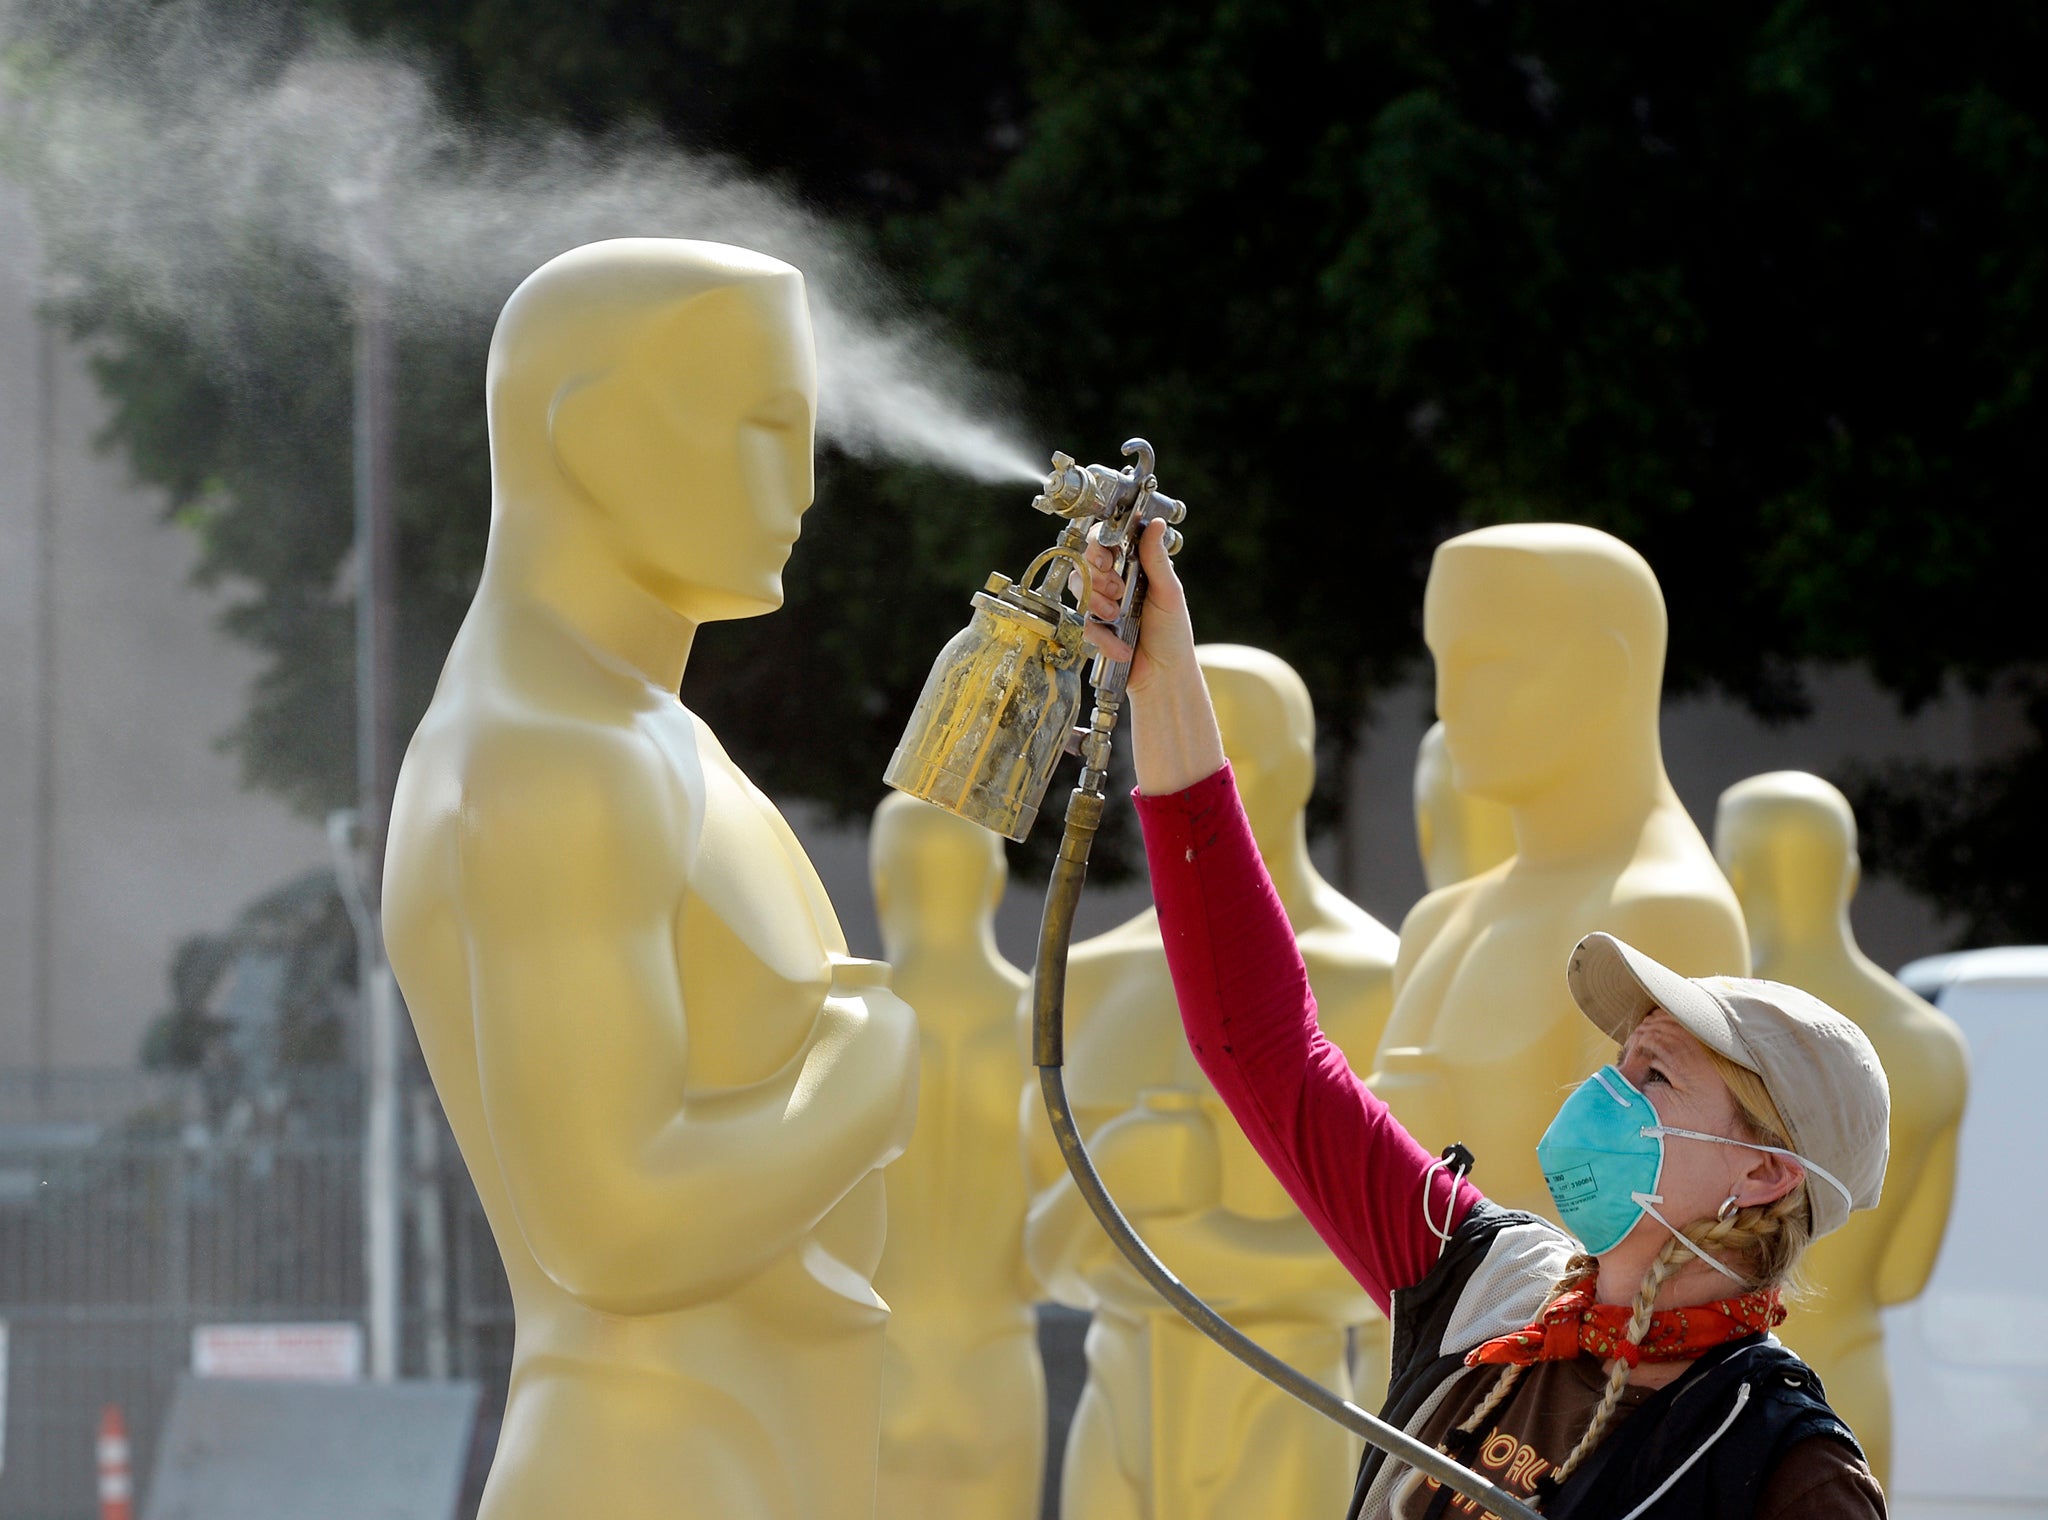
[(1917, 1042), (1345, 936), (1436, 911), (1672, 869), (531, 785), (1136, 939), (1694, 927)]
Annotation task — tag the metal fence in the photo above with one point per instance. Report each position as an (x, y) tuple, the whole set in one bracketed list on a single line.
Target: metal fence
[(136, 1207)]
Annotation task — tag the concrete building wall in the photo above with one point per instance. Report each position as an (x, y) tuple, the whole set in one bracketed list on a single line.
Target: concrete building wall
[(122, 827)]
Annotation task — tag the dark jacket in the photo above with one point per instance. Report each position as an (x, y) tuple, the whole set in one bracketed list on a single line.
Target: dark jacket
[(1708, 1440)]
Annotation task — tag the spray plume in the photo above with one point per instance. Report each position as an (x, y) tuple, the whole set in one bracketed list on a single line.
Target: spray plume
[(164, 141)]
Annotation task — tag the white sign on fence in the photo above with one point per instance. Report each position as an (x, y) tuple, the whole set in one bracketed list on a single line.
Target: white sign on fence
[(330, 1353)]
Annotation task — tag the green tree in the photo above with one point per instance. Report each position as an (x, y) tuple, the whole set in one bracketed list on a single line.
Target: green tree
[(1757, 286)]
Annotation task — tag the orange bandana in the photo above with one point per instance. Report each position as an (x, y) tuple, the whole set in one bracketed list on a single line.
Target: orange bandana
[(1576, 1324)]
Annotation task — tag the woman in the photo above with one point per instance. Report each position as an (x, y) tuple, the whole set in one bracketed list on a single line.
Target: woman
[(1628, 1373)]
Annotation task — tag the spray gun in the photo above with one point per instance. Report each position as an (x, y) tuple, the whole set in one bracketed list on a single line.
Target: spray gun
[(1116, 505), (994, 717), (1000, 705)]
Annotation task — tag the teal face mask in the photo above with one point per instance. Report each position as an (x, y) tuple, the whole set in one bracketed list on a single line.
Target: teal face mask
[(1601, 1158)]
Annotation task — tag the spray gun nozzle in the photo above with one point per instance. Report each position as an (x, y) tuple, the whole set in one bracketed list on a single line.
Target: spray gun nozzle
[(1082, 493)]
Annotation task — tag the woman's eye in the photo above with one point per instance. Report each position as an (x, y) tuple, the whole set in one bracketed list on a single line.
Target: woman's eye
[(1654, 1075)]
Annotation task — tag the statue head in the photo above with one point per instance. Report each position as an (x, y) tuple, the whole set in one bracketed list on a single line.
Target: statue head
[(1549, 644), (1787, 841), (663, 392), (1269, 732), (936, 876)]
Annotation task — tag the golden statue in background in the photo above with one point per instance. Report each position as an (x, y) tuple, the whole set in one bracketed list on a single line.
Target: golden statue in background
[(1169, 1426), (1549, 646), (963, 1393), (1788, 843)]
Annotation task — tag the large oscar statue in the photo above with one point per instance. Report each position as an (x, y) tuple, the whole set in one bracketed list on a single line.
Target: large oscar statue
[(1459, 836), (1169, 1427), (671, 1084), (963, 1394), (1788, 842), (1549, 648)]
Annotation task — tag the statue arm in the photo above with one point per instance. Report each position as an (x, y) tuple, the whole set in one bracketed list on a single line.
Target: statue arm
[(1161, 1171), (1419, 929), (1063, 1245), (633, 1197), (1915, 1244), (1037, 1156), (1271, 1266), (1943, 1060), (1275, 1262)]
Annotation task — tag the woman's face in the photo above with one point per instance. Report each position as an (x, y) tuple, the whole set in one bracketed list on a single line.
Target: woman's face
[(1673, 1070)]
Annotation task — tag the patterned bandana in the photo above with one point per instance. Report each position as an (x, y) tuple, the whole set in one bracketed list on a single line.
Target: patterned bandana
[(1575, 1323)]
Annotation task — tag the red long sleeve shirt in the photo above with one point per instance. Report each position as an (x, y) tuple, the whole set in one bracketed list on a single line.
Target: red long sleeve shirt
[(1353, 1170), (1359, 1177)]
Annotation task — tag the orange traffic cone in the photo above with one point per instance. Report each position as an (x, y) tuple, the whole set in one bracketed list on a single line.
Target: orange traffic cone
[(117, 1488)]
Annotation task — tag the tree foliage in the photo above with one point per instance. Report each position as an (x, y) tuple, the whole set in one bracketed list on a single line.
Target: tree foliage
[(1757, 286)]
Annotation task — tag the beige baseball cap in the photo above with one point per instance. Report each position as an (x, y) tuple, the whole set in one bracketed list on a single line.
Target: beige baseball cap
[(1818, 1067)]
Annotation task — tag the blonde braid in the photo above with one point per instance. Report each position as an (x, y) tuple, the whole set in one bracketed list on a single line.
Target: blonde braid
[(1768, 1239), (1576, 1271), (1674, 1255), (1772, 1236), (1757, 1233)]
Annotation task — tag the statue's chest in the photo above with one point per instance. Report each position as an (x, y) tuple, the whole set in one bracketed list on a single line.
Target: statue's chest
[(1130, 1035), (1498, 958), (754, 937)]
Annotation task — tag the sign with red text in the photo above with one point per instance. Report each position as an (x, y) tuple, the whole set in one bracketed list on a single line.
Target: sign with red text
[(326, 1353)]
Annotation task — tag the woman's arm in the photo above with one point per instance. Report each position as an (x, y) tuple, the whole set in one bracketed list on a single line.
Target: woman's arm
[(1820, 1479), (1251, 1021), (1244, 996), (1174, 739)]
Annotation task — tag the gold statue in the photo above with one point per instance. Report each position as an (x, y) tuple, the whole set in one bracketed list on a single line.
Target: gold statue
[(1549, 646), (1458, 835), (671, 1084), (1788, 843), (1169, 1426), (963, 1393)]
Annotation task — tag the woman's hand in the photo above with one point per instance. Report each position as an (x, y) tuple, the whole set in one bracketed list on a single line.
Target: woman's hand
[(1166, 643), (1174, 738)]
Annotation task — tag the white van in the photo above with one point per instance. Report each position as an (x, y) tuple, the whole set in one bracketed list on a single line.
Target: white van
[(1969, 1357)]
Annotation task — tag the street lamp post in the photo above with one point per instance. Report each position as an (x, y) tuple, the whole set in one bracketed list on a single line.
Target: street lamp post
[(376, 773)]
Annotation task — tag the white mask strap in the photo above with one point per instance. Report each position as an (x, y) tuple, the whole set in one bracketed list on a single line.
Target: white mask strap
[(1456, 1164), (1648, 1202), (1750, 1145), (1616, 1093)]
